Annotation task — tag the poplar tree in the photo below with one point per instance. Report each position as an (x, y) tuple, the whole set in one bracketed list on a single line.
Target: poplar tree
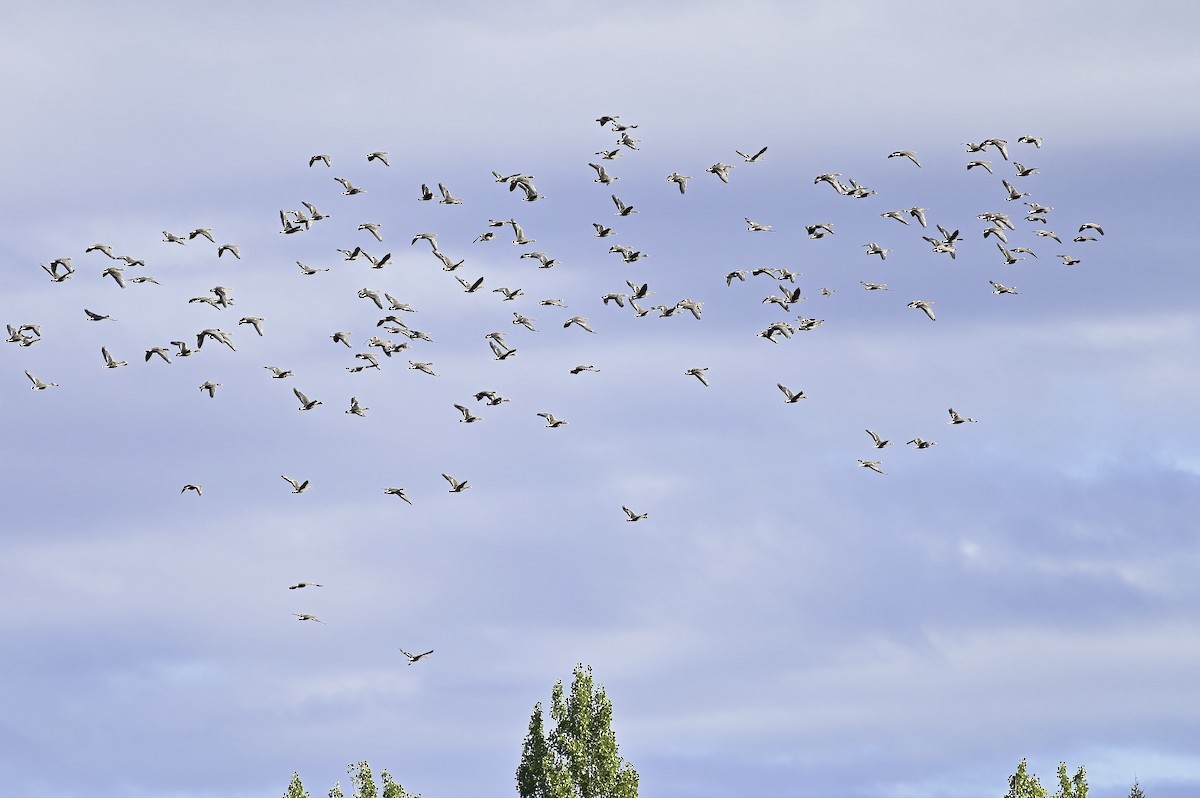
[(578, 758)]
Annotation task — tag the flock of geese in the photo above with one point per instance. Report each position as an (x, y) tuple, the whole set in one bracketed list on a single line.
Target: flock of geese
[(395, 315)]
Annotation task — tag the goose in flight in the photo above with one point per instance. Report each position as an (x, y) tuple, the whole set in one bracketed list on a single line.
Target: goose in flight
[(609, 155), (739, 274), (380, 156), (524, 321), (1013, 194), (109, 361), (218, 335), (115, 272), (627, 141), (447, 197), (602, 175), (1000, 288), (491, 397), (955, 418), (297, 486), (820, 230), (756, 227), (679, 180), (721, 170), (631, 516), (211, 387), (349, 189), (755, 158), (470, 287), (467, 416), (1023, 170), (304, 616), (1009, 258), (923, 305), (500, 351), (578, 321), (897, 215), (355, 408), (1034, 140), (985, 165), (254, 321), (874, 286), (38, 385), (305, 402), (1069, 261), (622, 208), (874, 465), (1091, 226), (161, 351), (602, 231), (790, 396), (397, 492), (423, 367), (309, 270), (323, 158), (278, 373), (580, 369), (519, 238), (96, 316), (456, 486), (875, 249), (551, 421), (921, 443), (414, 657), (171, 238), (197, 489), (698, 373), (918, 213), (232, 249), (909, 154), (105, 248), (300, 585), (879, 442), (52, 270)]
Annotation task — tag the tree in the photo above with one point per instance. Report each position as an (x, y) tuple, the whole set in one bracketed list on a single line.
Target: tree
[(1136, 791), (1071, 786), (579, 757), (1024, 784), (296, 789)]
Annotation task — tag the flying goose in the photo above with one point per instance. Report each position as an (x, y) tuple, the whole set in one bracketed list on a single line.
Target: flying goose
[(171, 238), (467, 416), (414, 657), (38, 385), (397, 492), (115, 272), (456, 486), (109, 362), (161, 351), (897, 215), (755, 158), (909, 154), (323, 158), (602, 175), (211, 387), (923, 305), (355, 408), (756, 227), (491, 397), (622, 208), (986, 165), (278, 373), (874, 465), (381, 156), (955, 418), (578, 321), (297, 486), (1000, 288), (305, 402), (875, 249), (721, 170), (306, 269), (790, 396), (96, 316), (299, 585), (349, 188), (679, 180), (921, 443), (198, 489), (232, 249), (698, 373), (254, 321), (879, 442), (304, 616), (424, 367), (631, 516), (1034, 140), (551, 421), (447, 197), (1091, 226)]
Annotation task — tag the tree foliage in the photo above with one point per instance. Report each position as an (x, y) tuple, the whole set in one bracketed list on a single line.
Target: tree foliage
[(1136, 791), (578, 758), (363, 783), (295, 788), (1071, 786), (1024, 784)]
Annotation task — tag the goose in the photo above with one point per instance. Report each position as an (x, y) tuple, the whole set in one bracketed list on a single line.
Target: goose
[(323, 158), (144, 279), (373, 295), (875, 249), (955, 418), (426, 368), (109, 362), (1047, 234), (580, 369), (171, 238), (1084, 239), (297, 486), (341, 337), (372, 228), (777, 328), (414, 657), (602, 231), (859, 191), (487, 235), (622, 208), (698, 373), (500, 351), (349, 189), (300, 585), (197, 489), (1035, 218), (985, 165), (313, 213), (470, 287), (832, 179), (105, 248), (695, 308), (921, 443), (755, 158), (542, 258), (430, 237), (609, 155), (52, 270), (580, 322), (509, 293), (897, 215), (721, 170), (818, 230), (607, 119), (627, 141), (398, 493), (551, 421), (1000, 288), (115, 272), (278, 373), (305, 402), (828, 291), (740, 274), (756, 227), (879, 442), (790, 396), (218, 335), (679, 180), (456, 486), (615, 297), (304, 616), (519, 234), (602, 175), (1013, 194), (631, 516), (467, 416), (380, 156), (183, 350), (207, 232), (208, 300), (211, 387), (447, 197), (447, 264), (524, 321), (874, 465), (1034, 140), (1091, 226), (918, 213), (1069, 261), (357, 409), (91, 316), (1025, 251), (997, 231), (161, 351), (923, 305), (254, 321), (38, 385), (617, 127), (1023, 170), (309, 270), (874, 286), (1009, 258), (1000, 144), (909, 154), (491, 397), (129, 261)]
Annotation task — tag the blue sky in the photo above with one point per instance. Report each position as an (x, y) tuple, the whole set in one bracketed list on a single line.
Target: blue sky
[(784, 621)]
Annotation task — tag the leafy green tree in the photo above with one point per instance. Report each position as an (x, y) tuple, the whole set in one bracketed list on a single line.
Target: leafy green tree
[(1071, 786), (579, 756), (296, 789), (1024, 784), (1136, 791)]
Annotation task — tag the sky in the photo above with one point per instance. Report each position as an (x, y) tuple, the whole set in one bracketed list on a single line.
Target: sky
[(783, 622)]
